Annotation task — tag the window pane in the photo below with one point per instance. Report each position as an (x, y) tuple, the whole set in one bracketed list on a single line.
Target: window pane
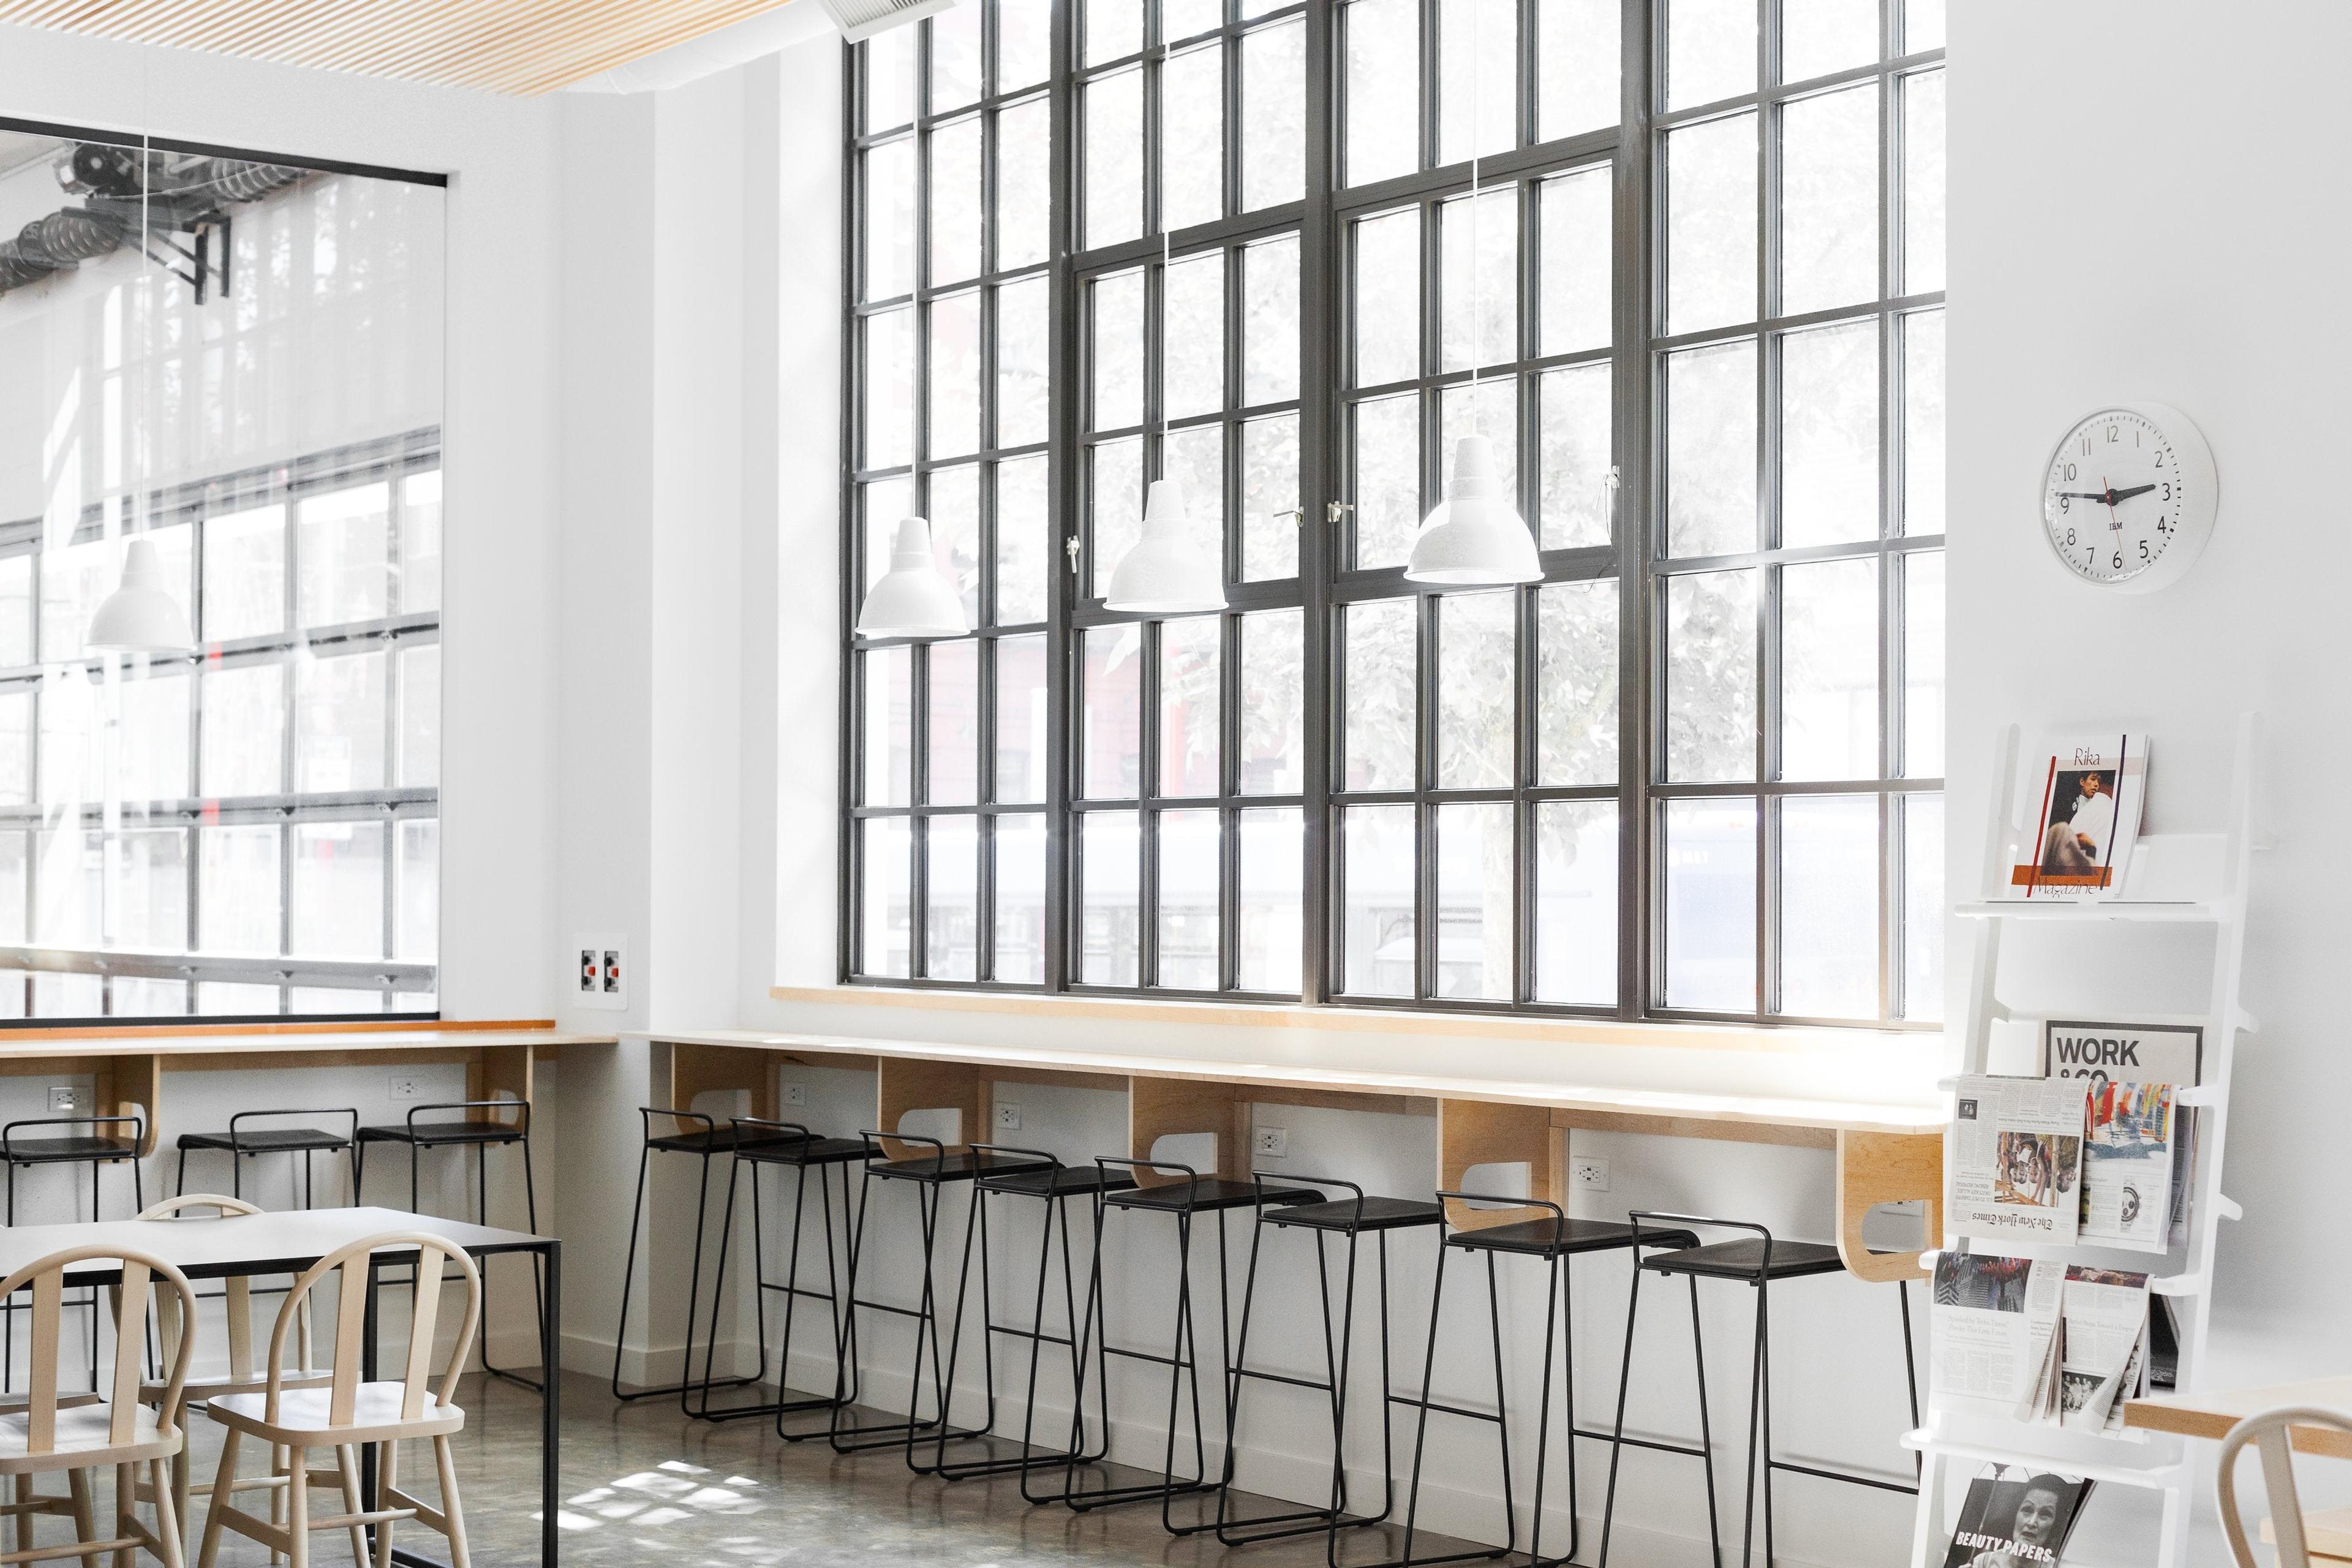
[(1195, 337), (955, 202), (1195, 460), (68, 996), (338, 722), (1575, 471), (951, 899), (1021, 723), (420, 716), (344, 552), (1025, 36), (1192, 137), (420, 542), (1923, 906), (237, 897), (1819, 37), (1272, 854), (1273, 701), (152, 759), (1115, 511), (1828, 671), (1377, 905), (1710, 859), (1114, 29), (1114, 114), (147, 897), (1118, 350), (1492, 411), (1923, 665), (890, 219), (417, 912), (1273, 115), (70, 880), (1477, 87), (1923, 182), (1479, 286), (952, 777), (1576, 258), (1923, 25), (330, 999), (1379, 714), (1829, 434), (955, 56), (244, 573), (1576, 680), (16, 748), (889, 723), (1388, 297), (1384, 94), (1020, 918), (229, 999), (955, 533), (1110, 948), (1576, 901), (15, 885), (1021, 543), (1189, 688), (1711, 222), (889, 388), (1270, 498), (889, 78), (1829, 200), (1270, 321), (1388, 478), (1710, 50), (1477, 637), (1473, 900), (1189, 858), (882, 505), (1923, 423), (1187, 18), (337, 891), (244, 723), (954, 376), (1711, 450), (1577, 51), (887, 930), (16, 611), (1113, 698), (1829, 907), (130, 996), (1025, 185), (1711, 677)]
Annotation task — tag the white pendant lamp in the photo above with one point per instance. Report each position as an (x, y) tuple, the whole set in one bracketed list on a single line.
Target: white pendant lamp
[(1166, 572), (914, 598), (141, 616), (1474, 536)]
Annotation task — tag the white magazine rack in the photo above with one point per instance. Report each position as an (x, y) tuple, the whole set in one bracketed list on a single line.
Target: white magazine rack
[(2198, 878)]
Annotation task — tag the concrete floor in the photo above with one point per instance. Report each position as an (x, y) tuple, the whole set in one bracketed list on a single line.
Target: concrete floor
[(642, 1484)]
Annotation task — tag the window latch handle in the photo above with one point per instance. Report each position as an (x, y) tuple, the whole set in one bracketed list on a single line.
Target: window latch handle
[(1070, 547), (1335, 511)]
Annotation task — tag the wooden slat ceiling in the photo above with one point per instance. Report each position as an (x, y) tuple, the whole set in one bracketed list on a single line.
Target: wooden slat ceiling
[(521, 46)]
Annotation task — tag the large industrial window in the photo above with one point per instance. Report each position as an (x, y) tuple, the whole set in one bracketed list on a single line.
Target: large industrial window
[(237, 361), (1680, 262)]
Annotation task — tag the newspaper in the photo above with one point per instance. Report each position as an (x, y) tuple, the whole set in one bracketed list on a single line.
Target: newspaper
[(2103, 1339), (2128, 1158), (2139, 1053), (2017, 1157), (1993, 1329), (2016, 1517)]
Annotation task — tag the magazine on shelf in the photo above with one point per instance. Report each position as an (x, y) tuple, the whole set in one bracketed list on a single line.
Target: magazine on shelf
[(1991, 1329), (2184, 1172), (2129, 1190), (2140, 1053), (2017, 1151), (2079, 841), (2016, 1517), (2103, 1347)]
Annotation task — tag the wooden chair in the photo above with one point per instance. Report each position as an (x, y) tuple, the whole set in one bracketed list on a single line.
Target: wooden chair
[(2269, 1431), (76, 1434), (347, 1412), (243, 1377)]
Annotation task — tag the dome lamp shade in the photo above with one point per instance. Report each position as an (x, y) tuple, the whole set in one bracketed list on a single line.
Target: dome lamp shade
[(914, 597), (141, 616), (1166, 572), (1474, 538)]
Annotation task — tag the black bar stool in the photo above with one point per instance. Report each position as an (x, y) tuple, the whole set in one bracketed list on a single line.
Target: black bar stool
[(930, 1175), (241, 1145), (508, 1124), (1553, 1239), (1181, 1194), (790, 1146), (1755, 1260), (1350, 1219), (92, 1148), (691, 1132)]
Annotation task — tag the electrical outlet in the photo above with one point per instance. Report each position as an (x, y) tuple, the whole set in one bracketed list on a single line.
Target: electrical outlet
[(63, 1096), (601, 971), (1270, 1143), (1008, 1117), (403, 1086), (1589, 1171), (796, 1094)]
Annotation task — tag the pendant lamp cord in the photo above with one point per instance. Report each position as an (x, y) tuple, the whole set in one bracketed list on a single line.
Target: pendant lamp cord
[(1478, 9), (1167, 240)]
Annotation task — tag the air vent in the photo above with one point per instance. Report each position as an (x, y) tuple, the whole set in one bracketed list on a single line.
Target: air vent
[(861, 19)]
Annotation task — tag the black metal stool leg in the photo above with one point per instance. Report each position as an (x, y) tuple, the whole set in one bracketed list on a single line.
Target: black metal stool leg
[(1706, 1432), (628, 1276), (1910, 1372)]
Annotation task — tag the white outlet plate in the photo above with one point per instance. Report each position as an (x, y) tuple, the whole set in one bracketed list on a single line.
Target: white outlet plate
[(597, 965), (1589, 1171), (63, 1098), (403, 1086), (795, 1094), (1270, 1143), (1008, 1118)]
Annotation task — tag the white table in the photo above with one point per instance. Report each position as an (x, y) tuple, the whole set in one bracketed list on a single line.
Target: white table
[(289, 1242)]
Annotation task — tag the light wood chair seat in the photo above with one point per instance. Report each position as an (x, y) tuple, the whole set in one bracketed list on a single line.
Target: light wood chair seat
[(304, 1413), (84, 1428)]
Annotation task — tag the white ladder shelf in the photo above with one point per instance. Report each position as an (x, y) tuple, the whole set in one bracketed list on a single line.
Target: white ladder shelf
[(2181, 878)]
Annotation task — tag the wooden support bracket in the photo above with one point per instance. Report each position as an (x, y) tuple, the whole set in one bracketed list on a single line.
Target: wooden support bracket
[(1875, 1168), (1483, 1132), (904, 1084)]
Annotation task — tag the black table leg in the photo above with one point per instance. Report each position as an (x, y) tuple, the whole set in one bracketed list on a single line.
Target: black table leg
[(551, 1341)]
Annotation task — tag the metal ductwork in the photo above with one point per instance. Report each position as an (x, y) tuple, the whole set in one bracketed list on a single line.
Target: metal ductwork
[(126, 190)]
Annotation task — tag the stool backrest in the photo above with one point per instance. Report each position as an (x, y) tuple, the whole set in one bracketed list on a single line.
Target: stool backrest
[(237, 1297), (350, 1265), (2269, 1431), (141, 1272)]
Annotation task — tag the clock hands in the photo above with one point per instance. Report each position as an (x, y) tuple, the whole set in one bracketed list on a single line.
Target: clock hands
[(2110, 496)]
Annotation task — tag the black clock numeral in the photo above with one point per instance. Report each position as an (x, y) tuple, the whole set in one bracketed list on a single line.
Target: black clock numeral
[(2143, 549), (2119, 560), (2070, 538), (2114, 436)]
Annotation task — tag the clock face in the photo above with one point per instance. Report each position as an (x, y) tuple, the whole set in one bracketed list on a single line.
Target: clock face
[(2128, 497)]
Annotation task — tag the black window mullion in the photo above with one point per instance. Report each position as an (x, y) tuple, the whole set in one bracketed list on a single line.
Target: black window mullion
[(1321, 303), (1063, 482)]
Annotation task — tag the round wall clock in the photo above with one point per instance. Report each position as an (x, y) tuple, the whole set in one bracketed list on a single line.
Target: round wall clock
[(2129, 499)]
